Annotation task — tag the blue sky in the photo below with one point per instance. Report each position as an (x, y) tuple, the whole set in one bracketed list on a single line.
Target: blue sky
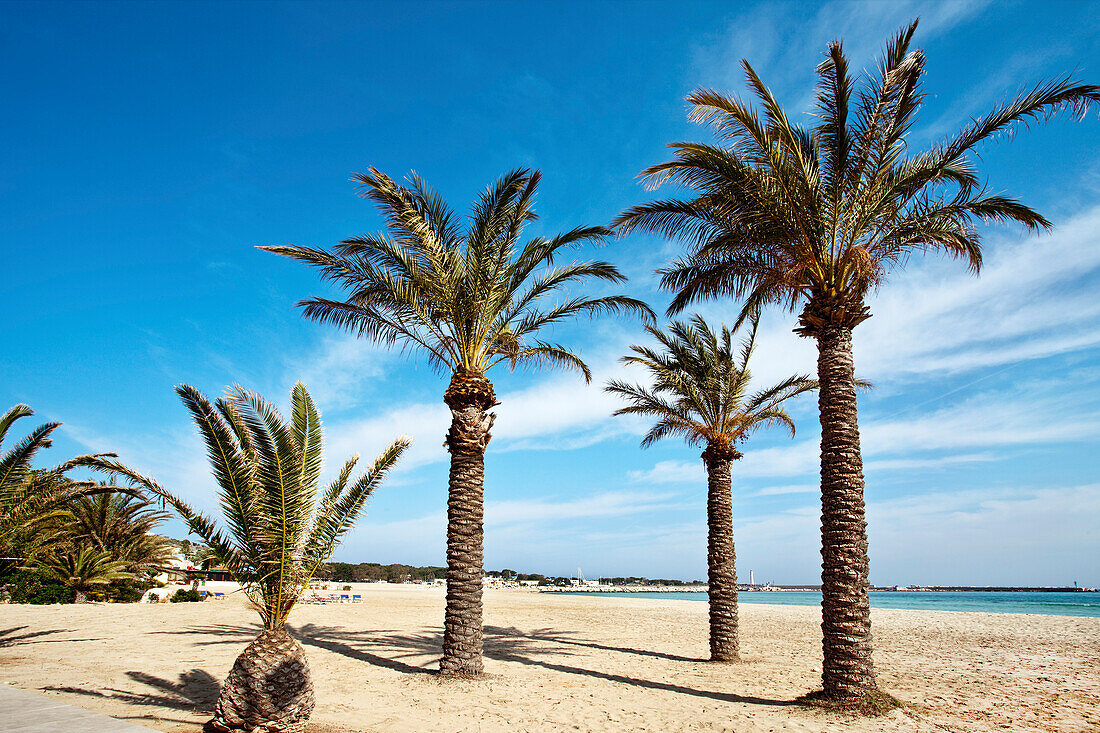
[(151, 146)]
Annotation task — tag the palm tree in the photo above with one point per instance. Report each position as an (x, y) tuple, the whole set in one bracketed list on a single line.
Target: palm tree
[(82, 569), (469, 297), (276, 535), (700, 392), (121, 525), (814, 219), (33, 500)]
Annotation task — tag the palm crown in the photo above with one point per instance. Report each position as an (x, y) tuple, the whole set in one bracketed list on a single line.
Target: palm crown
[(82, 568), (788, 215), (268, 470), (31, 499), (122, 524), (470, 296), (700, 387)]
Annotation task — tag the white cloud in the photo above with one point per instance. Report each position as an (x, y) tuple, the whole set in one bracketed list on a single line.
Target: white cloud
[(523, 530), (789, 489), (1029, 302), (775, 40), (671, 472), (989, 536), (341, 369), (954, 433), (607, 504), (559, 413)]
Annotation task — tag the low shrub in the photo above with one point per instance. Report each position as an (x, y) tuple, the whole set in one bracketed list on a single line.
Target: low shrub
[(127, 591), (33, 586), (186, 595)]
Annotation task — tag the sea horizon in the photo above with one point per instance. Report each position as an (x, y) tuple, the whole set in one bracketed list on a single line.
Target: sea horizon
[(1065, 603)]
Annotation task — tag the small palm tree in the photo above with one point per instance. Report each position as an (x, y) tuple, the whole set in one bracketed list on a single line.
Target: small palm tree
[(121, 525), (700, 392), (814, 220), (276, 535), (33, 501), (82, 569), (469, 297)]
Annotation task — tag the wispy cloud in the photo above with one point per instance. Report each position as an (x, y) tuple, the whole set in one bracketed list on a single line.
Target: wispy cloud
[(341, 370), (512, 526), (966, 432), (670, 472), (995, 535), (789, 489), (776, 37)]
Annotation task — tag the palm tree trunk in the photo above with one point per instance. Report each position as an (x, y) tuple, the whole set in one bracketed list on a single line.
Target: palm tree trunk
[(79, 596), (269, 688), (469, 397), (721, 558), (845, 613)]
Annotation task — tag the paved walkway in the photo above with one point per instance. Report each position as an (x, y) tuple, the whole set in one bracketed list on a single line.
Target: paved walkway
[(28, 712)]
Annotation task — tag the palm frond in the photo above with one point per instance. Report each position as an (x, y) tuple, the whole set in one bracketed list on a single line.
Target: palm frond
[(780, 215)]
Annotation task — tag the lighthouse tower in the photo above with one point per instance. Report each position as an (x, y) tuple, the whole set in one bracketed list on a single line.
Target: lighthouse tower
[(752, 580)]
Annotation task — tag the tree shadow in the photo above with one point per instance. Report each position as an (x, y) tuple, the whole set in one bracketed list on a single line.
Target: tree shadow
[(571, 638), (650, 684), (196, 691), (12, 637), (506, 645), (224, 633), (350, 643), (389, 649)]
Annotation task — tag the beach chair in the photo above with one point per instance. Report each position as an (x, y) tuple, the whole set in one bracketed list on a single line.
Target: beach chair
[(345, 598), (219, 596), (357, 599)]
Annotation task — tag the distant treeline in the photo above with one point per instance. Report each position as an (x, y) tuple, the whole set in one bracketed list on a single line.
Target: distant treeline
[(365, 572)]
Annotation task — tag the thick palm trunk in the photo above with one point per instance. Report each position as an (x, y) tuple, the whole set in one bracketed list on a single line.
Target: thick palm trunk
[(847, 673), (79, 596), (721, 558), (269, 688), (469, 396)]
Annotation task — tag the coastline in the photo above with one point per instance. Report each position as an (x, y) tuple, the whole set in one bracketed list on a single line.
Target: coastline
[(560, 662)]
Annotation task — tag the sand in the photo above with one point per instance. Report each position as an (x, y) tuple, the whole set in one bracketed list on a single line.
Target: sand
[(560, 662)]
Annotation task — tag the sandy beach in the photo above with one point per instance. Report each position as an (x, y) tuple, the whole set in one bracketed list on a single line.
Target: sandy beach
[(556, 662)]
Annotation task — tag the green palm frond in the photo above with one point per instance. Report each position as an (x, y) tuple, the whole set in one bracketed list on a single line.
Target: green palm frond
[(780, 215), (33, 502), (83, 568), (268, 470), (699, 386), (122, 525), (468, 296)]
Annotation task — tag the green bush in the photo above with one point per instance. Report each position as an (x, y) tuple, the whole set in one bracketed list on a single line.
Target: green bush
[(33, 586), (154, 597), (128, 591), (186, 595)]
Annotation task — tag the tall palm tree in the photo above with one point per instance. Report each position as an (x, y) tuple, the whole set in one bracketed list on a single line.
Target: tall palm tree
[(469, 296), (276, 535), (813, 219), (33, 500), (700, 392), (82, 569)]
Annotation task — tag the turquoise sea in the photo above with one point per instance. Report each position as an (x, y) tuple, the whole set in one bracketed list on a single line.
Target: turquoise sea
[(1054, 604)]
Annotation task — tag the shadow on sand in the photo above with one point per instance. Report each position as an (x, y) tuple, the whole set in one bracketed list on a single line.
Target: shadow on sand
[(12, 637), (543, 648)]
